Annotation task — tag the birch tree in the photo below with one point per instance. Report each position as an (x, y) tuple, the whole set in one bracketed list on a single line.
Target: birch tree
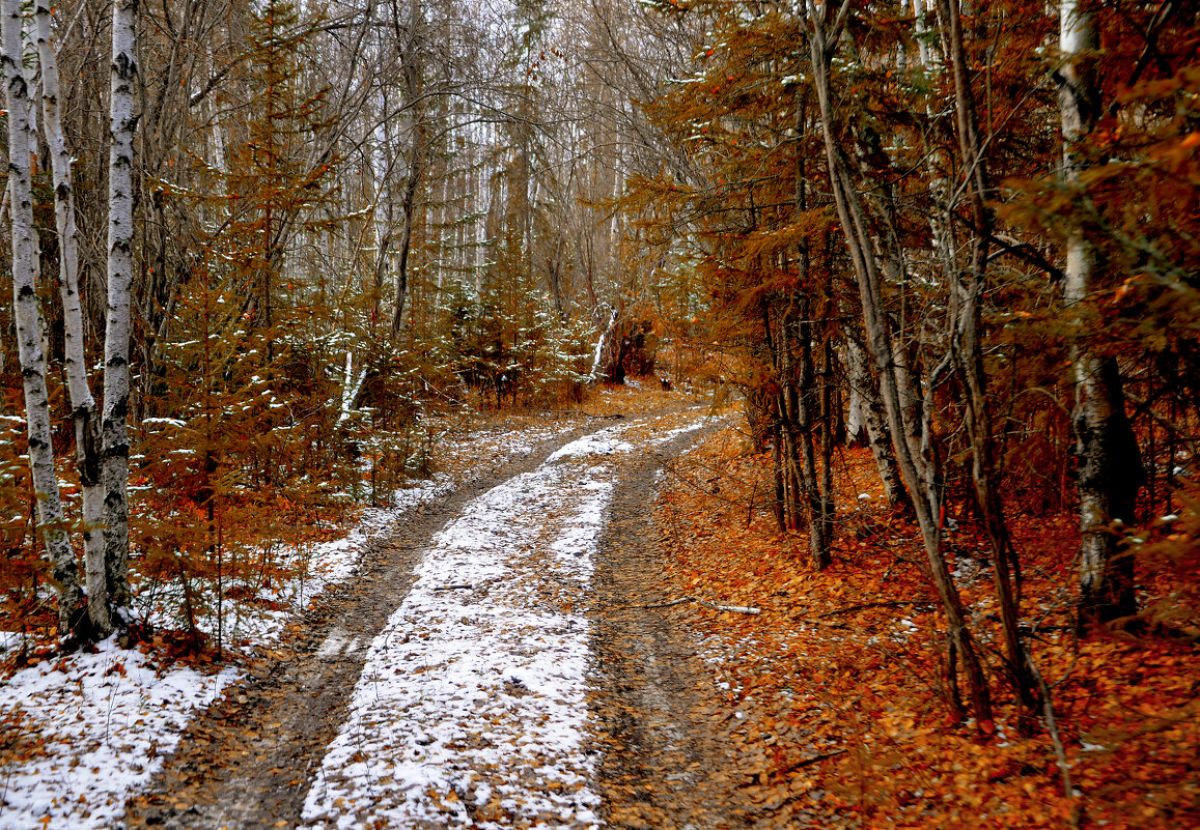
[(114, 428), (25, 255), (1110, 472), (83, 406)]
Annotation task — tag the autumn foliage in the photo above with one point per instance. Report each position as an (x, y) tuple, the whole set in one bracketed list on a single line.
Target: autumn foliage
[(836, 703)]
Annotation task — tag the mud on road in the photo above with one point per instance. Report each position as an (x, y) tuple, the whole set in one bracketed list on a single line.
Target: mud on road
[(665, 763), (249, 761)]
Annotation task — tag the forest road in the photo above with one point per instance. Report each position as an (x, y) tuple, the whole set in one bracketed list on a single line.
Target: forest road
[(634, 746), (664, 762), (248, 760)]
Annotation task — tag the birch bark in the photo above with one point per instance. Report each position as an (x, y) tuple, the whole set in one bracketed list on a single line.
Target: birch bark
[(114, 429), (83, 406), (21, 142), (1111, 472)]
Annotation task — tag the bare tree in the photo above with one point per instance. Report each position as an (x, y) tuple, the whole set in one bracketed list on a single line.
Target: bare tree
[(21, 142), (871, 259)]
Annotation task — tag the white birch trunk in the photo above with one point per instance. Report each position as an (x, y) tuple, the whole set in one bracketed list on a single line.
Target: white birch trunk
[(351, 387), (1110, 470), (114, 431), (602, 345), (64, 570), (83, 406)]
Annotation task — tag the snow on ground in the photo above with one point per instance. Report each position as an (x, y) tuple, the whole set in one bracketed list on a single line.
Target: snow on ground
[(83, 734), (671, 435), (320, 566), (96, 728), (471, 709), (600, 443), (98, 723)]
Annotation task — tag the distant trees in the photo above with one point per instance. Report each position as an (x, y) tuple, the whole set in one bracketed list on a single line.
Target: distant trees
[(420, 191)]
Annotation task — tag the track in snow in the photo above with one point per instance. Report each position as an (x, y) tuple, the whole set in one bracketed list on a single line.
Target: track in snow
[(455, 685)]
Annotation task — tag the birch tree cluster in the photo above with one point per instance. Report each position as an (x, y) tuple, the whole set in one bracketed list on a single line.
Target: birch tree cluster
[(283, 236)]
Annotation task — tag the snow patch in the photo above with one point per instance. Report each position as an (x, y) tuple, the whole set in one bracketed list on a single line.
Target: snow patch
[(471, 709), (604, 442), (104, 721), (107, 719)]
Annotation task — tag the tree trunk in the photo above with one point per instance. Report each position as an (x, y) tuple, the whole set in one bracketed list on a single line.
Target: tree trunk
[(601, 359), (1110, 472), (114, 429), (83, 406), (968, 286), (64, 569), (879, 437), (915, 469), (416, 158)]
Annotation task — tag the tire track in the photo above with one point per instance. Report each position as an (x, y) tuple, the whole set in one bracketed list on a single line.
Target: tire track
[(247, 762)]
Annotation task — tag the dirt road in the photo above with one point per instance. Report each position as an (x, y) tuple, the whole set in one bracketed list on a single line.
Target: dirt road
[(495, 665)]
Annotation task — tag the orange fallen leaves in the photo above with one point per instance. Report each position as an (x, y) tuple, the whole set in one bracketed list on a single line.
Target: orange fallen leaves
[(842, 666)]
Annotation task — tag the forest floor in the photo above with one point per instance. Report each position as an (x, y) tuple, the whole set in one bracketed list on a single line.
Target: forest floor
[(594, 622), (454, 682), (834, 699)]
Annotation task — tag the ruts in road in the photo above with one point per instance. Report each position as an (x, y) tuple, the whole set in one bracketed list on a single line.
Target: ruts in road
[(494, 665)]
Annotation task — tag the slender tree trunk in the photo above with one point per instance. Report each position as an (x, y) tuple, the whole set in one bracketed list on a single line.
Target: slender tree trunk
[(114, 429), (1110, 468), (603, 346), (817, 498), (879, 437), (416, 159), (812, 404), (64, 569), (830, 407), (915, 469), (968, 287), (83, 406)]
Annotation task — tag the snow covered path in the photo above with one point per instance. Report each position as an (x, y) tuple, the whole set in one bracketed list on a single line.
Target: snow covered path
[(450, 683), (471, 709)]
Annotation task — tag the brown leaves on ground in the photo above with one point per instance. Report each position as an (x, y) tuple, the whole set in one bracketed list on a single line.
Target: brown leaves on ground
[(837, 690), (21, 738)]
